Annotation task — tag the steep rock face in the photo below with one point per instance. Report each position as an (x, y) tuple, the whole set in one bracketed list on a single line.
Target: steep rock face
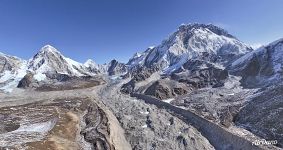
[(193, 41), (26, 81), (196, 55), (261, 67), (137, 74), (116, 67)]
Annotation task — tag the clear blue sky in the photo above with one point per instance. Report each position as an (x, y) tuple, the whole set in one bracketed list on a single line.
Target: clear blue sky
[(106, 29)]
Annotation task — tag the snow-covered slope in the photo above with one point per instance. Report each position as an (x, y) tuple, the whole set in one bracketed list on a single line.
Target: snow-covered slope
[(192, 41), (12, 70), (94, 67), (262, 66), (139, 58), (50, 60), (112, 68)]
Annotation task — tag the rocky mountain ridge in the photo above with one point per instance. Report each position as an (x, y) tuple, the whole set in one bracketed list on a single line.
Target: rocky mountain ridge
[(49, 65), (196, 55), (192, 41), (261, 67)]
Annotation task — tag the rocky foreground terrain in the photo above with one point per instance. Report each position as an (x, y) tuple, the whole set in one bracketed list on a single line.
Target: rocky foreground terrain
[(90, 119), (101, 117), (201, 88)]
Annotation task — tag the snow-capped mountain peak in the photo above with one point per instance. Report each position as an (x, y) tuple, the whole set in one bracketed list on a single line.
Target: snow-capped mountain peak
[(50, 60), (43, 65), (92, 66), (90, 63), (49, 48), (193, 41)]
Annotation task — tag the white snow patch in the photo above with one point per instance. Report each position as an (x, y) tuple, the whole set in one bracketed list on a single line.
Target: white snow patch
[(72, 63), (6, 75), (117, 77), (145, 113), (256, 45), (39, 76), (231, 94), (168, 100), (144, 126), (37, 127)]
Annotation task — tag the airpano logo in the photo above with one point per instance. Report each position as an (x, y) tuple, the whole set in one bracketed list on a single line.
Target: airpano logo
[(264, 142)]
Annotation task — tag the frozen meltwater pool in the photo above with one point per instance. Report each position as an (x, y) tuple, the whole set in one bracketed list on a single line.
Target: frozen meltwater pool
[(25, 133)]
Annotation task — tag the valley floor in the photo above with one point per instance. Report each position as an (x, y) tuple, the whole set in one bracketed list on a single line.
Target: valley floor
[(101, 117)]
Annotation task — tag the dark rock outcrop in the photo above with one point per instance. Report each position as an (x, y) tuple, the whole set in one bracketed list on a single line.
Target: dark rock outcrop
[(159, 90), (200, 74), (26, 82), (164, 89), (116, 67)]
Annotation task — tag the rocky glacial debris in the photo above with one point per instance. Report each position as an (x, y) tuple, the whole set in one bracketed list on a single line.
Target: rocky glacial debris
[(263, 114), (55, 125), (155, 128)]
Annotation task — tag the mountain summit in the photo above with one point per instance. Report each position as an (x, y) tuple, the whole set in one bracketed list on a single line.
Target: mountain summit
[(193, 41), (50, 60)]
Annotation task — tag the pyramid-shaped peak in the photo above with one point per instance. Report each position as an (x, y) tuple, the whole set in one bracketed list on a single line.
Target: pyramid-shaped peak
[(90, 63), (48, 48)]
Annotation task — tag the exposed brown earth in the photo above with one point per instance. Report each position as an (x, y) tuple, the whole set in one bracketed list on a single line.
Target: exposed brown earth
[(59, 82), (60, 124)]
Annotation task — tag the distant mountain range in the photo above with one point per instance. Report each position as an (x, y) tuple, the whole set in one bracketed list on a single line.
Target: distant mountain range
[(191, 47), (48, 62)]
